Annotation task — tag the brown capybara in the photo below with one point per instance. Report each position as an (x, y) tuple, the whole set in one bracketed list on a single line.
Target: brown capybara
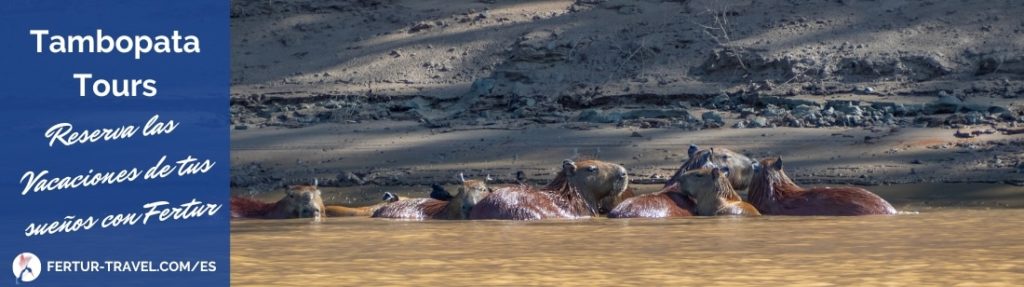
[(600, 183), (772, 192), (740, 166), (561, 198), (669, 202), (348, 211), (299, 201), (440, 205), (711, 189)]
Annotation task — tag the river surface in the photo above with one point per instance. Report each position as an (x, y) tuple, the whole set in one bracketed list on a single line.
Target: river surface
[(937, 246)]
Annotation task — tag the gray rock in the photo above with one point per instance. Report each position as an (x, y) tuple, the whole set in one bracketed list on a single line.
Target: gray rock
[(805, 111), (946, 103), (773, 111), (785, 102), (973, 118), (759, 122), (712, 117), (850, 109), (656, 113), (597, 116), (482, 86), (853, 120), (828, 112), (720, 100), (416, 103)]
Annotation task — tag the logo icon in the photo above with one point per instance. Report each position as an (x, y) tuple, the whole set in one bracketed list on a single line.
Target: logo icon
[(26, 267)]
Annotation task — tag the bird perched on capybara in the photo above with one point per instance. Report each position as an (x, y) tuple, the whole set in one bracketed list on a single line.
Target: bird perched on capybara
[(577, 191), (711, 189), (740, 166), (440, 205), (773, 192), (299, 201), (669, 202)]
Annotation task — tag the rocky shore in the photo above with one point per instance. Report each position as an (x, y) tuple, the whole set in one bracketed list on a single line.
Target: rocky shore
[(403, 92)]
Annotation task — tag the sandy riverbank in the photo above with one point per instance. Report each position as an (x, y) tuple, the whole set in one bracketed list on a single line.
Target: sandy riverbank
[(395, 93), (390, 153)]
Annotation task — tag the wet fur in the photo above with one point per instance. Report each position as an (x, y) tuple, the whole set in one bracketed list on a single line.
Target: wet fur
[(441, 205), (602, 187), (716, 197), (242, 207), (282, 209), (559, 199), (773, 192), (611, 202), (668, 202), (414, 208), (739, 165), (347, 211)]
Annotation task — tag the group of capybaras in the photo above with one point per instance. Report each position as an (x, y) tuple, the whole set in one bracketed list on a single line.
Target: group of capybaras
[(705, 185)]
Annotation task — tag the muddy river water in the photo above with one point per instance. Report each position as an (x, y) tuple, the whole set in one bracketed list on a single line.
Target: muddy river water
[(928, 246)]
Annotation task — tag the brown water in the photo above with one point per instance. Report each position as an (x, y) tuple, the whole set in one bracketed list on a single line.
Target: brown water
[(944, 246)]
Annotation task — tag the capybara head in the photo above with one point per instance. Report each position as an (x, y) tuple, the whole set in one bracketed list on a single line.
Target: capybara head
[(770, 171), (702, 181), (470, 193), (710, 189), (741, 168), (600, 183), (302, 201)]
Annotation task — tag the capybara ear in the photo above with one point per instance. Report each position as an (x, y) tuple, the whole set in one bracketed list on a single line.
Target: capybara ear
[(778, 163), (390, 197), (755, 166), (520, 176), (716, 172), (569, 167), (438, 192), (692, 150)]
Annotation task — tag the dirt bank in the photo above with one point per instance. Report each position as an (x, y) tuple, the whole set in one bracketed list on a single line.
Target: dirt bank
[(772, 63), (393, 153), (411, 92)]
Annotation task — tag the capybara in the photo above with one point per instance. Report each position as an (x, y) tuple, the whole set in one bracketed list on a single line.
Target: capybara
[(772, 192)]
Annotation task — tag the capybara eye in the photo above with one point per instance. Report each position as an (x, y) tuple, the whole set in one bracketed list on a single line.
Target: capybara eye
[(591, 168)]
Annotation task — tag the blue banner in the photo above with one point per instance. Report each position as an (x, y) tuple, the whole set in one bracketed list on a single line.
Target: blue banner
[(115, 143)]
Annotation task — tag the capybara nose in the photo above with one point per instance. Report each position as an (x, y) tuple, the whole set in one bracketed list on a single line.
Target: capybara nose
[(621, 180)]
